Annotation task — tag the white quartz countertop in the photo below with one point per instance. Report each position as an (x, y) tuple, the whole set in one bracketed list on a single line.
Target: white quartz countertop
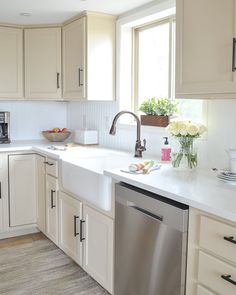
[(200, 189)]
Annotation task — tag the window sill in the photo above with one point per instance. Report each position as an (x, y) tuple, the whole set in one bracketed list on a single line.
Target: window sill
[(131, 126)]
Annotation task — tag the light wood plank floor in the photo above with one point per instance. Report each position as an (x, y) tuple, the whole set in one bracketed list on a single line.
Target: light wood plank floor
[(32, 264)]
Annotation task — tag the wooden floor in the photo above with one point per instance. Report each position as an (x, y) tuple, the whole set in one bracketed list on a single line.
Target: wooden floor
[(11, 242), (32, 264)]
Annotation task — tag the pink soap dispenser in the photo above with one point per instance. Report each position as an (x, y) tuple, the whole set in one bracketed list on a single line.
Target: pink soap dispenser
[(166, 151)]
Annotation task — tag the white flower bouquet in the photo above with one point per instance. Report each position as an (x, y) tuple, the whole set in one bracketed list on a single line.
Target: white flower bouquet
[(185, 132)]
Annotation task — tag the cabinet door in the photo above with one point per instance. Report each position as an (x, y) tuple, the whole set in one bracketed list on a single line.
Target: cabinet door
[(74, 71), (11, 63), (22, 189), (43, 63), (41, 193), (70, 211), (204, 47), (52, 208), (98, 246)]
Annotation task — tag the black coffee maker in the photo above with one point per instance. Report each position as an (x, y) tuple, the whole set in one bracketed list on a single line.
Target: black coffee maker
[(4, 127)]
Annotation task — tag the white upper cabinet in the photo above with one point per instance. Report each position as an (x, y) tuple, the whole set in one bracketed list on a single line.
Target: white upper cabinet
[(74, 59), (89, 58), (43, 63), (204, 49), (11, 63)]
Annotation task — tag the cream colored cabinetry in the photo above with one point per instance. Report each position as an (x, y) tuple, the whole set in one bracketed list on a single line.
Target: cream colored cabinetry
[(204, 46), (52, 208), (11, 63), (43, 63), (4, 218), (70, 215), (211, 265), (41, 193), (22, 189), (89, 58), (98, 246)]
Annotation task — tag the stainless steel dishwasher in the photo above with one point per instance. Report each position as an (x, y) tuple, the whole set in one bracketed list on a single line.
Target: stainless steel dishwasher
[(150, 243)]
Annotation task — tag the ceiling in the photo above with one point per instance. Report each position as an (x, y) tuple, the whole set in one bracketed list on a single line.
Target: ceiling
[(57, 11)]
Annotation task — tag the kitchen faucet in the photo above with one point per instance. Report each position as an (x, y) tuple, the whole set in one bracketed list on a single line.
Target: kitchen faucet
[(139, 148)]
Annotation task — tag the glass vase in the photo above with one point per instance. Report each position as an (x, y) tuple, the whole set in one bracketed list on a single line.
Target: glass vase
[(185, 156)]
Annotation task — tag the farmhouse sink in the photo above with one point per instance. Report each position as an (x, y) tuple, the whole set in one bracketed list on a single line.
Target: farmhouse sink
[(83, 177)]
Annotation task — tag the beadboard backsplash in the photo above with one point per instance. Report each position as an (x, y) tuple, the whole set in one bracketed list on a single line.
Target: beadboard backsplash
[(221, 133)]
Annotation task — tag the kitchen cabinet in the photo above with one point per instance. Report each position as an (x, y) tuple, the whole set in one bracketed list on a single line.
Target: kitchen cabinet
[(204, 49), (11, 63), (4, 218), (98, 246), (43, 63), (211, 263), (41, 193), (70, 215), (52, 208), (89, 58), (22, 189)]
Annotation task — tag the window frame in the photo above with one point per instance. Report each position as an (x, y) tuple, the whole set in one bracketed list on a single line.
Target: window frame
[(135, 56)]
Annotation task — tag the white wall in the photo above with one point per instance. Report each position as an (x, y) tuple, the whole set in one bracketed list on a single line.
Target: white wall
[(221, 130), (28, 119)]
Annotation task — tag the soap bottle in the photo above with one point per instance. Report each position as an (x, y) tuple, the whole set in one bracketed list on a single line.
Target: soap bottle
[(166, 151)]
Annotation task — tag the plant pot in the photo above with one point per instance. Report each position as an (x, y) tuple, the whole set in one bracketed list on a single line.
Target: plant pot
[(152, 120)]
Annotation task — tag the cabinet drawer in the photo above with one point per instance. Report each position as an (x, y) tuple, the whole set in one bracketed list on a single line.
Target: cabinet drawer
[(203, 291), (51, 167), (212, 237), (211, 269)]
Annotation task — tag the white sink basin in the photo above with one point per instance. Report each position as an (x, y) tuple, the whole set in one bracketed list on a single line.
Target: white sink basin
[(83, 177)]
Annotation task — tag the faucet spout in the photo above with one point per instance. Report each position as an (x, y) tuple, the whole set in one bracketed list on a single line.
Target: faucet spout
[(139, 148)]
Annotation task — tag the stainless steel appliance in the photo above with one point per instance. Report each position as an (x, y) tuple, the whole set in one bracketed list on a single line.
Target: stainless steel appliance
[(150, 243), (4, 127)]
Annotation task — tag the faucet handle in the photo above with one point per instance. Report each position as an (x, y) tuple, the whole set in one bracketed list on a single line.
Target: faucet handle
[(144, 144)]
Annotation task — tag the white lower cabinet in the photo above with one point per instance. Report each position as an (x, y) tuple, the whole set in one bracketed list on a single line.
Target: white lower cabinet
[(203, 291), (70, 214), (52, 208), (22, 189), (98, 246), (4, 218), (41, 193)]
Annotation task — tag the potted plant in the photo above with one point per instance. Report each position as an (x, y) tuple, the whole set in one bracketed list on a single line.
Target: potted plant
[(158, 111)]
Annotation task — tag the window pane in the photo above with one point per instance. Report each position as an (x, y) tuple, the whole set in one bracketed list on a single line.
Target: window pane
[(153, 62)]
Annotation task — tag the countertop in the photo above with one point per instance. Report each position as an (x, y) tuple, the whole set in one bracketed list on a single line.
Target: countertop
[(200, 189)]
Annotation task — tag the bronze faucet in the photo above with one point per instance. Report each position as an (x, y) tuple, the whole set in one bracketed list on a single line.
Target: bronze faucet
[(139, 148)]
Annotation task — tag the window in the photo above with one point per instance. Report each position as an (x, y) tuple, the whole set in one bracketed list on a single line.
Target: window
[(153, 61), (146, 61)]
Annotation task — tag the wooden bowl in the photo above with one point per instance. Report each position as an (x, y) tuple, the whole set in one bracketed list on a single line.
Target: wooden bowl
[(56, 137)]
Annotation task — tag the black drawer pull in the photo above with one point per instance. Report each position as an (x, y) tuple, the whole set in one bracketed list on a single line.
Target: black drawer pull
[(49, 164), (228, 279), (233, 56), (52, 205), (230, 239), (81, 230), (75, 222)]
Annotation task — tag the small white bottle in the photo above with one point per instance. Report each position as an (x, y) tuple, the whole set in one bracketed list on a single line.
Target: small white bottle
[(166, 151)]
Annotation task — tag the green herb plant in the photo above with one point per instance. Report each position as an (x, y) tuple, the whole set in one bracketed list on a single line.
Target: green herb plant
[(159, 107)]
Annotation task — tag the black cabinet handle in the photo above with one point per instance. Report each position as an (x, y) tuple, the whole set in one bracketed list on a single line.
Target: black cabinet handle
[(81, 230), (228, 279), (58, 80), (75, 222), (79, 76), (233, 55), (49, 164), (230, 239), (0, 189), (52, 205)]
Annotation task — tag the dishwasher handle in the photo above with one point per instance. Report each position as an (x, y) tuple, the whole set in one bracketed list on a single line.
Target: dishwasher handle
[(148, 213)]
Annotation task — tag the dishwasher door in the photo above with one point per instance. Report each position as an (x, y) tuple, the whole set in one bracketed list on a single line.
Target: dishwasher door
[(150, 243)]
